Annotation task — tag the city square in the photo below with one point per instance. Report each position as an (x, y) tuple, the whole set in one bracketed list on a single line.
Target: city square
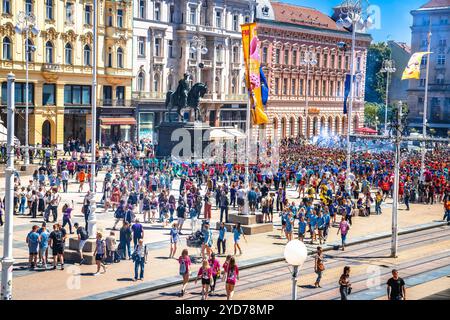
[(172, 150)]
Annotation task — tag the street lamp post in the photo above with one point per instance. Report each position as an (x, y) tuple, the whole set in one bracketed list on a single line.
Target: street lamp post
[(8, 260), (352, 14), (388, 68), (198, 46), (295, 254), (25, 25), (310, 61)]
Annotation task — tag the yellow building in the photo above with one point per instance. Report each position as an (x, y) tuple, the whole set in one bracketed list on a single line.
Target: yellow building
[(60, 68)]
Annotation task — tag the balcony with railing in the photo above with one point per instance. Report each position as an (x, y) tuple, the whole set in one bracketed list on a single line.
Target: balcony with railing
[(51, 67), (142, 96)]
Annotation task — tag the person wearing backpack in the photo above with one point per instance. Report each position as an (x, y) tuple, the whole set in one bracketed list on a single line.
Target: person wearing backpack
[(185, 262), (82, 238), (57, 238), (205, 273), (231, 276)]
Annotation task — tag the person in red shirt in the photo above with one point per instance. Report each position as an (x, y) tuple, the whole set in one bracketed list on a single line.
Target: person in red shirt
[(231, 277)]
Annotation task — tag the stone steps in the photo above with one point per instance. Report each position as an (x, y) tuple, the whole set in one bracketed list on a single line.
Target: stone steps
[(71, 254)]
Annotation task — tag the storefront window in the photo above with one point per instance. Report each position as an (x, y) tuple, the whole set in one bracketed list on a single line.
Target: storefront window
[(77, 95), (19, 93), (146, 125), (48, 94)]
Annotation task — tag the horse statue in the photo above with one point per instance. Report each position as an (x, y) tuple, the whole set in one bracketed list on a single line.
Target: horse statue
[(197, 91), (179, 97)]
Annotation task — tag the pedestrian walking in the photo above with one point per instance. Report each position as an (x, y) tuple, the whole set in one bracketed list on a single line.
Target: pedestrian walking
[(138, 232), (345, 287), (57, 240), (237, 232), (231, 277), (207, 241), (99, 253), (396, 287), (82, 236), (125, 240), (221, 239), (185, 262), (67, 216), (344, 227), (215, 266), (205, 274), (139, 257), (319, 266), (174, 239)]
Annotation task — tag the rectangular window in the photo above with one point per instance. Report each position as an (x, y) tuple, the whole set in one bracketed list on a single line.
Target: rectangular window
[(285, 86), (294, 57), (28, 6), (69, 12), (7, 6), (339, 62), (107, 95), (422, 83), (142, 9), (218, 19), (277, 56), (347, 62), (170, 48), (309, 87), (235, 22), (277, 82), (193, 16), (265, 51), (19, 90), (358, 64), (324, 88), (119, 18), (157, 47), (424, 61), (441, 59), (141, 46), (293, 87), (157, 11), (300, 87), (443, 42), (325, 61), (286, 57), (49, 9), (316, 88), (77, 95), (333, 61), (48, 94), (338, 93), (172, 14), (88, 14)]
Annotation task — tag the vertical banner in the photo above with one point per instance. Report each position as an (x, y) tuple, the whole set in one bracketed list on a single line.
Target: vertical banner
[(250, 44)]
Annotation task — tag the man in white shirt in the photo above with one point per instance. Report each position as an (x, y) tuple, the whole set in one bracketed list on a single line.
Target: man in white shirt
[(65, 179)]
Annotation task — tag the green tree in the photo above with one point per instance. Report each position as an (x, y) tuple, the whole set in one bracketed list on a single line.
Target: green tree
[(375, 79), (371, 112)]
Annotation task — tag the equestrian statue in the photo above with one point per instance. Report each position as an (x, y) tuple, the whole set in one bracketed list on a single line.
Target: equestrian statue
[(184, 98)]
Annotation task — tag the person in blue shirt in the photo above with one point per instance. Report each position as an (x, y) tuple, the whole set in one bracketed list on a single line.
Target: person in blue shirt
[(312, 226), (320, 226), (221, 240), (174, 238), (33, 242), (43, 246), (327, 218), (237, 232), (301, 228), (289, 226), (207, 241)]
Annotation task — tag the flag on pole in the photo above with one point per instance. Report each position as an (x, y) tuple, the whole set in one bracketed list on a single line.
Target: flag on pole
[(250, 44), (346, 91), (412, 70), (264, 87)]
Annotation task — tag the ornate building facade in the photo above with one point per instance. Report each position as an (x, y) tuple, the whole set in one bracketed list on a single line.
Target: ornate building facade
[(170, 38), (435, 16), (60, 68), (287, 34)]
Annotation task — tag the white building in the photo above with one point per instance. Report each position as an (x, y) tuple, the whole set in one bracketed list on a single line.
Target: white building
[(164, 35)]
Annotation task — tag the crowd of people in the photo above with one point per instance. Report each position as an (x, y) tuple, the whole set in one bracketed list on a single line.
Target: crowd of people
[(139, 188)]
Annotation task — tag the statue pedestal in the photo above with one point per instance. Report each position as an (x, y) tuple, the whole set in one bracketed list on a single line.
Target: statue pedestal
[(92, 222), (182, 140)]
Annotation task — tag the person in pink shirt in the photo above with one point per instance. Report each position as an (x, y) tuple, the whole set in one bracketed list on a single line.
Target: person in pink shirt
[(185, 263), (344, 226), (205, 273), (215, 266), (232, 275)]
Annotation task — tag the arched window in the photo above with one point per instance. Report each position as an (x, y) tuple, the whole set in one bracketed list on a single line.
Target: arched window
[(68, 53), (6, 48), (87, 55), (140, 81), (283, 128), (109, 58), (119, 58), (292, 127), (49, 52), (30, 52)]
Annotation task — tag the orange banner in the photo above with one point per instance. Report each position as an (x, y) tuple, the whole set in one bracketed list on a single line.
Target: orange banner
[(252, 59)]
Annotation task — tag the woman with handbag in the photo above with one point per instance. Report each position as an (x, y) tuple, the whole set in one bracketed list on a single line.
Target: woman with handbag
[(345, 286), (319, 267)]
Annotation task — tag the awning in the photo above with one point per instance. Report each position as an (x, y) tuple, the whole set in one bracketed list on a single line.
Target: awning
[(113, 121), (220, 134), (366, 130)]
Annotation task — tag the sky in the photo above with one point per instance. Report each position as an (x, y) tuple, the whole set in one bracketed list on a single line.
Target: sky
[(396, 19)]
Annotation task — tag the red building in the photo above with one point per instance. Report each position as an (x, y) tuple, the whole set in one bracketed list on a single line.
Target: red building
[(303, 104)]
